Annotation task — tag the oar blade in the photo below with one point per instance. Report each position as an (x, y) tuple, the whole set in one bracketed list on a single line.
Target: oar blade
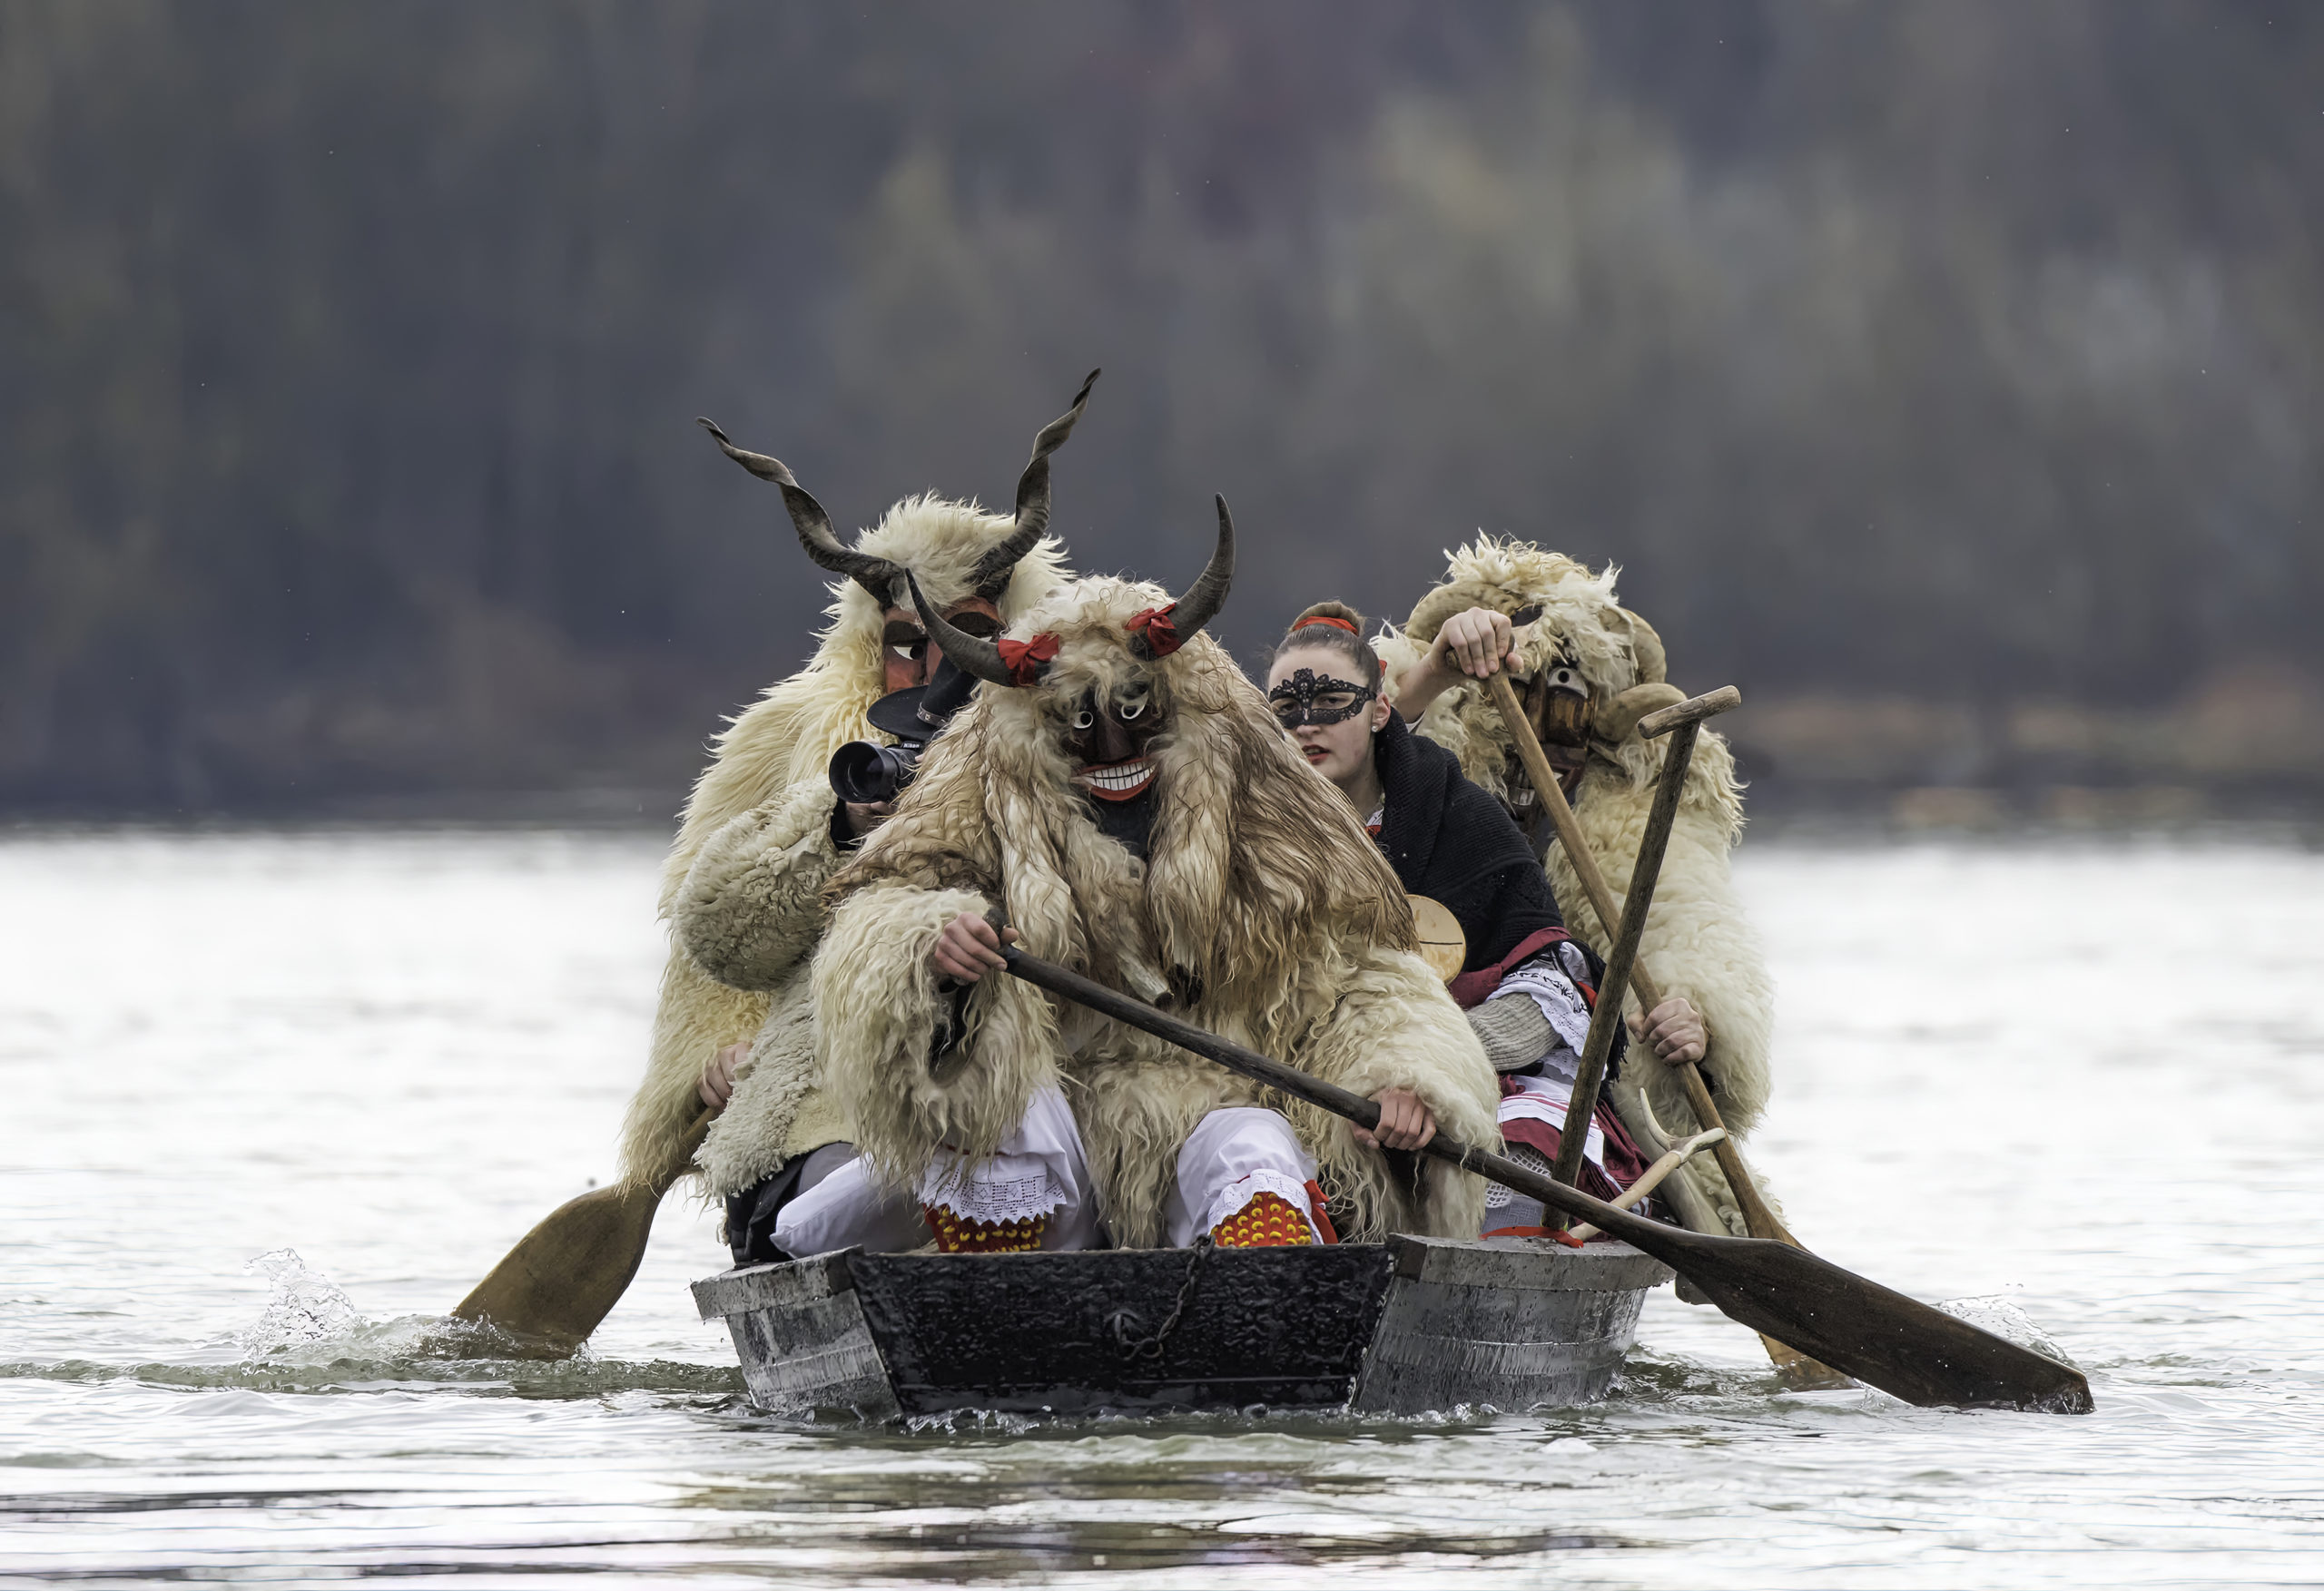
[(1884, 1338), (566, 1275)]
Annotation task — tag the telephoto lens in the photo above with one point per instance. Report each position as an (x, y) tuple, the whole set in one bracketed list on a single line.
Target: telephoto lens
[(868, 772)]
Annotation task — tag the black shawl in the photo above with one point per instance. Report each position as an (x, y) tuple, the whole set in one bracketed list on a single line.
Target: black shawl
[(1450, 842)]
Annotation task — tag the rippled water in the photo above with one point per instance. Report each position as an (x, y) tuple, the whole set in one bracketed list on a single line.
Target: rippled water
[(270, 1103)]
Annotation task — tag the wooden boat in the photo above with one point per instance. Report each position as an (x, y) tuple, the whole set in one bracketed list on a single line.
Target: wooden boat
[(1406, 1327)]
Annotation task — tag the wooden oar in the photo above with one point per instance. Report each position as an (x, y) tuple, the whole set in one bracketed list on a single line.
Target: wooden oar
[(1882, 1338), (1796, 1369), (1621, 957), (1761, 1220), (566, 1274)]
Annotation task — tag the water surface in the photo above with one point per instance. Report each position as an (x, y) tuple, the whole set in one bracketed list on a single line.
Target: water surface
[(270, 1103)]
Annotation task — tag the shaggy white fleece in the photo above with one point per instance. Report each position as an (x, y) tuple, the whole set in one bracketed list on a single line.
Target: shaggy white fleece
[(784, 740), (1696, 941), (1265, 913), (749, 914)]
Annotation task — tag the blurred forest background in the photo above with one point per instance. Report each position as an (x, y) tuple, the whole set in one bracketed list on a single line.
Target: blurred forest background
[(1948, 374)]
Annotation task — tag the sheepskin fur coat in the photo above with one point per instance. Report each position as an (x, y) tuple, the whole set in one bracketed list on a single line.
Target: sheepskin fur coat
[(1262, 911), (1697, 941), (741, 891)]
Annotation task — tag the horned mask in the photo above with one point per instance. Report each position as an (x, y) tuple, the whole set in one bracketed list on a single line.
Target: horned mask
[(885, 578), (1108, 726)]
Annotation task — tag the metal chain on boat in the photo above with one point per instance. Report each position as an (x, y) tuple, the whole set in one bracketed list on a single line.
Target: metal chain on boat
[(1121, 1321)]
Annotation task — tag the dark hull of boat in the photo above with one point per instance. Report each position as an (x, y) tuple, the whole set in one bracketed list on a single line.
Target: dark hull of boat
[(1407, 1327)]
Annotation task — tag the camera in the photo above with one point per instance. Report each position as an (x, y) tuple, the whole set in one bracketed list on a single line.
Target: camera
[(868, 772)]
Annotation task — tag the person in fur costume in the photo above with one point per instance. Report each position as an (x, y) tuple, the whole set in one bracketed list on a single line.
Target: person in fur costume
[(1127, 798), (763, 832), (1587, 670)]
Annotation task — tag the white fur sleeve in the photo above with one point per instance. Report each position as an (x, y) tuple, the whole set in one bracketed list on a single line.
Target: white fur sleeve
[(752, 904), (879, 1008), (1395, 1028)]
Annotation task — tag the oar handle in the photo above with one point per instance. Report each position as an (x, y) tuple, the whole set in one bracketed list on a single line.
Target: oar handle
[(1693, 710), (1364, 1113)]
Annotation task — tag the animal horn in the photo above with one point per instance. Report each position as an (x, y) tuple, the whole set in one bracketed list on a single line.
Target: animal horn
[(990, 576), (1208, 594), (876, 575), (971, 654)]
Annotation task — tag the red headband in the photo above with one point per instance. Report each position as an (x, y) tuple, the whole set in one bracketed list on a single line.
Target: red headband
[(1328, 619)]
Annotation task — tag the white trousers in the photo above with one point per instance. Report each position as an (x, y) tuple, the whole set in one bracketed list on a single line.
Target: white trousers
[(847, 1210), (1230, 1158), (1039, 1170)]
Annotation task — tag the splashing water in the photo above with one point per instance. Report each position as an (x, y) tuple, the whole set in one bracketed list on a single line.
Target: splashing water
[(307, 1309), (1995, 1313), (166, 1415)]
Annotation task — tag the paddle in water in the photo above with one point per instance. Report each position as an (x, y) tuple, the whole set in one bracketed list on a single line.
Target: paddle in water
[(1882, 1338), (566, 1275)]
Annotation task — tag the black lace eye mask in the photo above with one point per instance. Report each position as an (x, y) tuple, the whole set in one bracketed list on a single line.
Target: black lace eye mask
[(1293, 701)]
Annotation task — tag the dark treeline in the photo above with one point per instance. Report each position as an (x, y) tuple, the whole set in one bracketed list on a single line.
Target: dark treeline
[(1962, 351)]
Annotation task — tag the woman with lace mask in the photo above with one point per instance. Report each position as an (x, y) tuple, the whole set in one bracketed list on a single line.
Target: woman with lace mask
[(1527, 988)]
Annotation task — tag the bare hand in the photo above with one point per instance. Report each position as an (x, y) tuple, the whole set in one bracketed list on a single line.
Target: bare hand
[(717, 1085), (1477, 643), (968, 948), (1404, 1122), (862, 817), (1675, 1029)]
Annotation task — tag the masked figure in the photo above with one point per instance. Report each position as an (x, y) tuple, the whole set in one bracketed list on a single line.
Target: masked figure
[(1124, 791), (1587, 670), (763, 833), (1527, 988)]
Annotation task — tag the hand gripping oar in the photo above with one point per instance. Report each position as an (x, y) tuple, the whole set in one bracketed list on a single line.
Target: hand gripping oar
[(1884, 1338), (566, 1275)]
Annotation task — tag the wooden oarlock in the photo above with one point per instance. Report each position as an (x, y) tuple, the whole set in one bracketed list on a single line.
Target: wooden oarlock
[(1678, 1155)]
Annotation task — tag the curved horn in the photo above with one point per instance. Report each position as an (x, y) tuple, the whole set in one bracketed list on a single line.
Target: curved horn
[(876, 575), (971, 654), (990, 577), (1206, 595)]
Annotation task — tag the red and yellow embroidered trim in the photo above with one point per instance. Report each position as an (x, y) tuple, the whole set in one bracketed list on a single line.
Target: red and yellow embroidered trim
[(955, 1235), (1268, 1222)]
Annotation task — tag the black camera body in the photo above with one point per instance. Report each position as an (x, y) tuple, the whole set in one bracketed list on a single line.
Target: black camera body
[(867, 773)]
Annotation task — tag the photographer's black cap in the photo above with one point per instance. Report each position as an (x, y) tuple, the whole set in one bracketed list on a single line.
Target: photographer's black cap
[(917, 713)]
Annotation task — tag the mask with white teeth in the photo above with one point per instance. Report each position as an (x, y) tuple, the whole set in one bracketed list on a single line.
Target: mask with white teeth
[(1107, 735)]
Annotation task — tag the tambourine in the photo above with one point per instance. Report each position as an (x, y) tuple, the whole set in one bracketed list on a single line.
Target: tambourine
[(1442, 944)]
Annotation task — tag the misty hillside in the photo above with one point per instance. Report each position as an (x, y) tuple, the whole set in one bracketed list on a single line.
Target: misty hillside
[(1947, 375)]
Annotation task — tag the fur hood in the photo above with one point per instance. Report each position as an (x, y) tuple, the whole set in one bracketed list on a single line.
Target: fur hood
[(787, 737), (1262, 911), (1581, 625)]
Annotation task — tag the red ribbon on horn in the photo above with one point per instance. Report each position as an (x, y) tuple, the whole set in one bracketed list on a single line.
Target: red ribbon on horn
[(1161, 635), (1025, 658)]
